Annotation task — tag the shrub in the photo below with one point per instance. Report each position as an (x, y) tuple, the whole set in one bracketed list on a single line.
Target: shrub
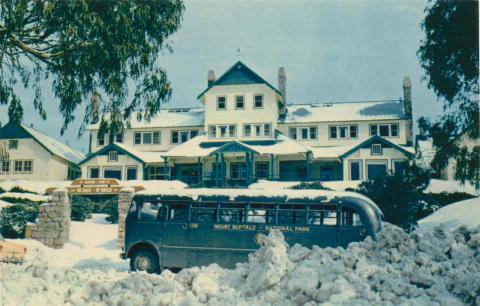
[(21, 190), (14, 219), (111, 208), (81, 208), (2, 190), (97, 204), (15, 200), (399, 195), (310, 185)]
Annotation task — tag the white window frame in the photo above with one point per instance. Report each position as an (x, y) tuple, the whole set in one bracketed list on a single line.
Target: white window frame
[(254, 101), (348, 131), (119, 136), (102, 138), (299, 132), (13, 144), (292, 132), (131, 167), (249, 134), (376, 149), (20, 162), (112, 156), (243, 101), (377, 128), (350, 162), (5, 169), (89, 169), (218, 103)]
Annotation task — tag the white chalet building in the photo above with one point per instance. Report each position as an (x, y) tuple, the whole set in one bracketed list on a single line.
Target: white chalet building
[(246, 131), (27, 154)]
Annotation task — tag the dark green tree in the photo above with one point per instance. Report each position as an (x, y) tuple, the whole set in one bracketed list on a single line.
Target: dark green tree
[(86, 47), (449, 57)]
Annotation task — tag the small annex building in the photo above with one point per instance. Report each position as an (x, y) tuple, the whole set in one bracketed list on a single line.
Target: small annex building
[(27, 154)]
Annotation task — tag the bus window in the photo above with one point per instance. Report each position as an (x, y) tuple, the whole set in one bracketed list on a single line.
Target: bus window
[(149, 211), (350, 217), (259, 213), (231, 215), (178, 212), (203, 213), (322, 215), (291, 214)]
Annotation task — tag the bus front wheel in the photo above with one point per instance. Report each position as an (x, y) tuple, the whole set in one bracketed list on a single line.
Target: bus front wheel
[(145, 260)]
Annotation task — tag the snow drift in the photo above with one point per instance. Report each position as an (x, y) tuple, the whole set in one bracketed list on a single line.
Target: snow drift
[(441, 267)]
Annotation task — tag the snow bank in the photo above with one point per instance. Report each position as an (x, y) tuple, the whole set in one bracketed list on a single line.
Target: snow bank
[(27, 196), (453, 216), (441, 268), (155, 184), (439, 186), (33, 186), (4, 204)]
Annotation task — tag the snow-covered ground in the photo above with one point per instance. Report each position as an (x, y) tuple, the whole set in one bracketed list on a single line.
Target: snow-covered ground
[(438, 267), (27, 196)]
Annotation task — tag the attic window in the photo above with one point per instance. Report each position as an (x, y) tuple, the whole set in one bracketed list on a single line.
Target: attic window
[(376, 149), (13, 144), (113, 156)]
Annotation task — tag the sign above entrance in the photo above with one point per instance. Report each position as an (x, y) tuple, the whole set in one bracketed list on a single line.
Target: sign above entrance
[(96, 186)]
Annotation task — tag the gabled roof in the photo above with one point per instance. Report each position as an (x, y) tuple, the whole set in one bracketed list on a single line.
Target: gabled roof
[(234, 146), (239, 74), (382, 140), (143, 157), (18, 131)]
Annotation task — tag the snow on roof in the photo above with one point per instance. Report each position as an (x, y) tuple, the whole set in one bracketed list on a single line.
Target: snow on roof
[(191, 148), (33, 186), (146, 156), (275, 185), (56, 147), (439, 186), (27, 196), (348, 111), (283, 146), (329, 152), (452, 216), (178, 117), (426, 153), (155, 184)]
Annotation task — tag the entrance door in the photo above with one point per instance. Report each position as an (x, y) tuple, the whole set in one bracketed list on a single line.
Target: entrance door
[(355, 171), (113, 173), (326, 173), (374, 170)]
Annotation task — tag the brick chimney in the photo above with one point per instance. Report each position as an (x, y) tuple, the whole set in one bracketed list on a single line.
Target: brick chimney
[(95, 100), (282, 82), (211, 77), (407, 95)]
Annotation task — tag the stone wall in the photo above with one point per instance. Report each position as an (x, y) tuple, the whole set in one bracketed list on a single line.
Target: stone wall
[(53, 223), (124, 200)]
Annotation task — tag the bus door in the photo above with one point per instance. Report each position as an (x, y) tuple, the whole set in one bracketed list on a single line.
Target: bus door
[(350, 227), (175, 229), (200, 235), (322, 220), (148, 227)]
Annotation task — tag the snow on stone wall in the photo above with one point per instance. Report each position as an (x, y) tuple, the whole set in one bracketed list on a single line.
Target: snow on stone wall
[(439, 268)]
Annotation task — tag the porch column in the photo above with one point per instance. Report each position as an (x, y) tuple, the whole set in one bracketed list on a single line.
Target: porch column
[(165, 169), (216, 174), (309, 165), (252, 168), (199, 171), (272, 167), (223, 172), (247, 167)]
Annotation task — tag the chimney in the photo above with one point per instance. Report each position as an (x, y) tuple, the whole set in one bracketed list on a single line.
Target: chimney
[(282, 83), (95, 107), (407, 95), (211, 77)]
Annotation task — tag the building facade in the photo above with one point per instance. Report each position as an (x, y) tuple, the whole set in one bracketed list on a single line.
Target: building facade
[(27, 154), (245, 130)]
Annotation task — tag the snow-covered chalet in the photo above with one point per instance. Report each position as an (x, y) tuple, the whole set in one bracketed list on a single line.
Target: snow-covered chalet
[(246, 130)]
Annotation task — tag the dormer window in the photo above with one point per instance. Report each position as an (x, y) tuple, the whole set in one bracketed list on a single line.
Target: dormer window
[(376, 149), (100, 139), (13, 144), (112, 156), (239, 102), (119, 137), (221, 103), (258, 101)]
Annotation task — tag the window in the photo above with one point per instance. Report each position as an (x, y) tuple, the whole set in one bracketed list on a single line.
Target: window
[(13, 144), (137, 138), (258, 130), (223, 131), (353, 131), (376, 149), (355, 173), (258, 101), (228, 214), (115, 173), (5, 166), (313, 133), (155, 173), (131, 173), (221, 103), (149, 211), (394, 130), (262, 170), (261, 213), (178, 213), (156, 137), (100, 139), (212, 131), (267, 131), (342, 131), (119, 137), (333, 132), (232, 131), (193, 133), (292, 132), (373, 130), (204, 213), (174, 137), (385, 130), (147, 138), (27, 166), (239, 102), (113, 156), (304, 133), (399, 166), (322, 215), (94, 173), (288, 214), (18, 166), (238, 170), (349, 217), (184, 136), (247, 130)]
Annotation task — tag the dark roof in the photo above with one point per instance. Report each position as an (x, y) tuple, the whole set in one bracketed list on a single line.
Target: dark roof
[(376, 139), (109, 147), (239, 74)]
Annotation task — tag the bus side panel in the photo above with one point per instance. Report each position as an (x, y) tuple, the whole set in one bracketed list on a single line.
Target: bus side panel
[(349, 234), (323, 236), (201, 241), (231, 247), (174, 248)]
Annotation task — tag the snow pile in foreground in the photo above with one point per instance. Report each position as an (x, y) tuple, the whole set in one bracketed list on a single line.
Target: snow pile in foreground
[(441, 268), (465, 212)]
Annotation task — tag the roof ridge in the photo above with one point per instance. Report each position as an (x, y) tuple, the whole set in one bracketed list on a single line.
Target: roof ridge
[(345, 102)]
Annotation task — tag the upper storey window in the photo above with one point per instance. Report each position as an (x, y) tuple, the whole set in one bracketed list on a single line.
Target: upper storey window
[(239, 102), (221, 103), (13, 144), (100, 139), (385, 130), (222, 131), (182, 136), (146, 138), (343, 132), (258, 101), (257, 130), (303, 133)]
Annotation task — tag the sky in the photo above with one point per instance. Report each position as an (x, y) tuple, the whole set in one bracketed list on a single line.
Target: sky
[(332, 50)]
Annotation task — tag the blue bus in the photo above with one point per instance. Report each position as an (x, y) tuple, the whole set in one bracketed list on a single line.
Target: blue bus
[(194, 227)]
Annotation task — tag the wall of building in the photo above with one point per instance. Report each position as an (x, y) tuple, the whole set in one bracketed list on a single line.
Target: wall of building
[(46, 166), (101, 162)]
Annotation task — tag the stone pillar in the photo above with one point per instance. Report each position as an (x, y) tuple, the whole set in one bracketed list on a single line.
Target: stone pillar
[(124, 200), (53, 226)]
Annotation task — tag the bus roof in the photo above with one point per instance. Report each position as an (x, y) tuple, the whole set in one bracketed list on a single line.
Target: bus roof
[(242, 195)]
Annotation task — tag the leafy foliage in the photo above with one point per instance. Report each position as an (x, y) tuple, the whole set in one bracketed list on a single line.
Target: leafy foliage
[(81, 208), (87, 48), (14, 219), (310, 185), (399, 195), (21, 190), (449, 56)]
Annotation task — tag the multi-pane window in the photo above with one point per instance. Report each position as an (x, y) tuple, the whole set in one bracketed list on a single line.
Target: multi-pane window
[(343, 132), (258, 101), (376, 149), (257, 130), (113, 156), (239, 102), (212, 131), (232, 131), (119, 137), (146, 138), (222, 131), (155, 172), (22, 166), (303, 133), (182, 136), (100, 139), (13, 144), (18, 166), (238, 170), (385, 130), (261, 170), (27, 166), (221, 103), (5, 166)]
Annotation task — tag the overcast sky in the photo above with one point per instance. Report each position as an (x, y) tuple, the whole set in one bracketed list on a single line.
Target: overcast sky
[(331, 50)]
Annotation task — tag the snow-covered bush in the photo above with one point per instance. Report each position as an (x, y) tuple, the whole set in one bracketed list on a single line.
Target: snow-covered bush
[(14, 219), (81, 208), (111, 208), (310, 185), (21, 190)]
